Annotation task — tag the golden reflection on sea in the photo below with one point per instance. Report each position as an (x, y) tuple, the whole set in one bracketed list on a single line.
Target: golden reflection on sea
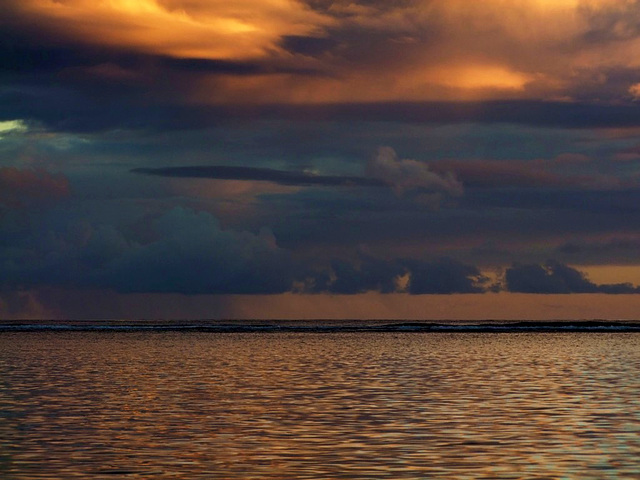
[(175, 405)]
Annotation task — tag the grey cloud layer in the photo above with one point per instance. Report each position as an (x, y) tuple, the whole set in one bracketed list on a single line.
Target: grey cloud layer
[(179, 250), (554, 277), (262, 175), (85, 111), (473, 179), (185, 252), (384, 169)]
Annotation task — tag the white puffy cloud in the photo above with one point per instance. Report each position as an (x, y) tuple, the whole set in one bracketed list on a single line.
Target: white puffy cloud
[(407, 174)]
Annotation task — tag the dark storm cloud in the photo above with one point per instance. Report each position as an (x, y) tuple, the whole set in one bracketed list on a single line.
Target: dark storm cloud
[(31, 59), (444, 276), (193, 255), (280, 177), (348, 278), (417, 277), (606, 85), (183, 252), (549, 278), (71, 110), (555, 277), (35, 61)]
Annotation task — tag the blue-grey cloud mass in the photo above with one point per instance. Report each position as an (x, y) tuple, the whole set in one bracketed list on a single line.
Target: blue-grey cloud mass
[(317, 147)]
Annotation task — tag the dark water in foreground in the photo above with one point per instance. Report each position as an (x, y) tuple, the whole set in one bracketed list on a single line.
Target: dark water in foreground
[(286, 405)]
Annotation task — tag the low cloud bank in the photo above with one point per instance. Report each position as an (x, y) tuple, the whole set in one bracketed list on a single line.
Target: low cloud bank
[(184, 251), (555, 277), (440, 276)]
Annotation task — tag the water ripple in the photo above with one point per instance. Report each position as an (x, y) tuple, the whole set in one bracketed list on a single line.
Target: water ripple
[(309, 405)]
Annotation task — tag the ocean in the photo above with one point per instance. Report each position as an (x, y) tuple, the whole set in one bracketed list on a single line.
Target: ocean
[(316, 400)]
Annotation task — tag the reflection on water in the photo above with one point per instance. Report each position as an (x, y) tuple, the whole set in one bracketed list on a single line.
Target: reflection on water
[(340, 405)]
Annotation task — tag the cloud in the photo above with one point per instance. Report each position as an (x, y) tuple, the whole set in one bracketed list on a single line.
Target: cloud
[(610, 22), (530, 174), (89, 63), (280, 177), (23, 187), (444, 276), (416, 277), (555, 277), (348, 278), (629, 154), (634, 90), (495, 173), (293, 52), (188, 252), (524, 224), (454, 50), (192, 254), (187, 29), (182, 252), (308, 45), (74, 109), (524, 112), (384, 169), (405, 174), (22, 305), (623, 250), (9, 127)]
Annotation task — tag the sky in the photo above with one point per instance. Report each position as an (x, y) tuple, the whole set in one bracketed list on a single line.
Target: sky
[(319, 159)]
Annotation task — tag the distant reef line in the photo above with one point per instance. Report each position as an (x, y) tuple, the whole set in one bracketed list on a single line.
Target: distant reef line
[(328, 327)]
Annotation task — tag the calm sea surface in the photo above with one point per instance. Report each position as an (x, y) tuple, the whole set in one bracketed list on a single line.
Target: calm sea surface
[(189, 405)]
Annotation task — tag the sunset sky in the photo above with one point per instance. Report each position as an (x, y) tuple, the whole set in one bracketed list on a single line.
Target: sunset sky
[(319, 159)]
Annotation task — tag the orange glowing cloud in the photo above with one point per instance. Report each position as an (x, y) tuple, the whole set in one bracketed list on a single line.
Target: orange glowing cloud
[(353, 51), (200, 29), (470, 77)]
